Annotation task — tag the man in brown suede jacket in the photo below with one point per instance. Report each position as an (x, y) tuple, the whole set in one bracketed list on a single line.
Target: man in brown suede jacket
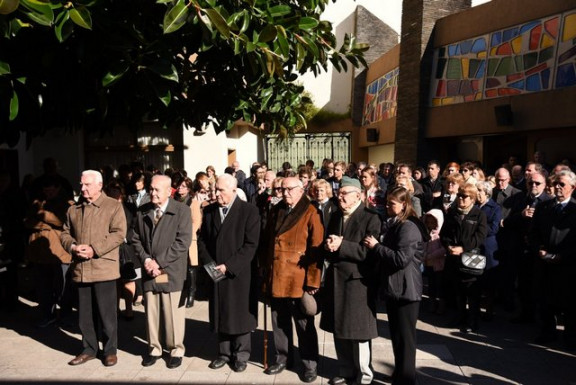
[(295, 234)]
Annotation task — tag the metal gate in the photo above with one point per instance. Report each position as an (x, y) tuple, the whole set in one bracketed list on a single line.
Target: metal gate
[(301, 147)]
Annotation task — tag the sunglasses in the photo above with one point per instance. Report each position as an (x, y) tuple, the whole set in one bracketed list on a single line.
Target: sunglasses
[(463, 196), (561, 184), (535, 183), (465, 170)]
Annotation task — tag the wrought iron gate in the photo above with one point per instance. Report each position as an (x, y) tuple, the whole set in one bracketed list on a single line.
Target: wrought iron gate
[(298, 149)]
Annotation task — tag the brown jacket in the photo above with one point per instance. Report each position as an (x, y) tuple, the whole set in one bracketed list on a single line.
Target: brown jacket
[(101, 225), (293, 254)]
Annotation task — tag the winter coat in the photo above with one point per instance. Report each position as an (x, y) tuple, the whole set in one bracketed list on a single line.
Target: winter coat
[(102, 225)]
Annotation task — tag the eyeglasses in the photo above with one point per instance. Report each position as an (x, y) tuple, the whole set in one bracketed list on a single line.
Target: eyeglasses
[(535, 183), (561, 184), (277, 189), (289, 189), (344, 193), (463, 196), (465, 170)]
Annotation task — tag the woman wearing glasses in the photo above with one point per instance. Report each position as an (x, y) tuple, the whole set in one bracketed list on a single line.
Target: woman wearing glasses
[(464, 229)]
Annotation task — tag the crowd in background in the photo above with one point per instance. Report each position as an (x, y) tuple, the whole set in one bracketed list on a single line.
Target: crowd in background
[(521, 217)]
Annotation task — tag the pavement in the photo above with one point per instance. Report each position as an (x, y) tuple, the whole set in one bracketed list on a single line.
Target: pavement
[(501, 353)]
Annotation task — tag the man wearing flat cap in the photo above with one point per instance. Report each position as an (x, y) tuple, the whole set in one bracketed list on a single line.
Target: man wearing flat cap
[(293, 265), (349, 292)]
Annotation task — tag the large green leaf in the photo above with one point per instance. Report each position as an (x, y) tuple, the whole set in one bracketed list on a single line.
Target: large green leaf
[(115, 73), (40, 13), (308, 23), (282, 39), (165, 69), (218, 21), (4, 68), (14, 106), (81, 17), (279, 10), (63, 28), (175, 17), (268, 34)]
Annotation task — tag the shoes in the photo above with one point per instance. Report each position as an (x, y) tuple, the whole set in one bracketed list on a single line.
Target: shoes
[(80, 359), (110, 360), (149, 360), (174, 362), (239, 366), (309, 376), (465, 329), (189, 302), (275, 369), (338, 381), (217, 363), (46, 322)]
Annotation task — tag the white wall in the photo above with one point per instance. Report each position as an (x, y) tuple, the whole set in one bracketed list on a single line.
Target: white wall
[(212, 149)]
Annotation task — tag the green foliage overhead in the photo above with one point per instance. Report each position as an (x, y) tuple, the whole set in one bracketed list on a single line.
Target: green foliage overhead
[(97, 64)]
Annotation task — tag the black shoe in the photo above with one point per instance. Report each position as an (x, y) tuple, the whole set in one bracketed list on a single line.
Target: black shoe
[(189, 302), (275, 369), (239, 366), (338, 381), (309, 376), (465, 329), (149, 360), (217, 363), (174, 362)]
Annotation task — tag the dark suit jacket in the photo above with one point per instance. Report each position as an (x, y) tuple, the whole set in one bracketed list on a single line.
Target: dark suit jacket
[(556, 233), (349, 309), (168, 244), (232, 309)]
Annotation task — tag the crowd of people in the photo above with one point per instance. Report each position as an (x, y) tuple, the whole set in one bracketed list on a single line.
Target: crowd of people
[(333, 241)]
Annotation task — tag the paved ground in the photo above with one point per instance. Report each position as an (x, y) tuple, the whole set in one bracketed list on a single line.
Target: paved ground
[(499, 354)]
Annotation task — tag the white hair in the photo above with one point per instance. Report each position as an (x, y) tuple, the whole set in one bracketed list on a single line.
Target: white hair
[(228, 180), (95, 174)]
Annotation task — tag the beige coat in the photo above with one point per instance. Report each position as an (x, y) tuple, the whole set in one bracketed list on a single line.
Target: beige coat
[(196, 224), (101, 225)]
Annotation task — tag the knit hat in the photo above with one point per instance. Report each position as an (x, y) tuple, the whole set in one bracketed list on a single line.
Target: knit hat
[(347, 181)]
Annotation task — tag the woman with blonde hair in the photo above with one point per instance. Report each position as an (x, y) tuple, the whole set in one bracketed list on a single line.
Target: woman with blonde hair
[(211, 172), (465, 229), (452, 184), (406, 182)]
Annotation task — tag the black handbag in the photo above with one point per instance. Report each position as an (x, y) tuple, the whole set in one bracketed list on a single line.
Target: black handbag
[(127, 269)]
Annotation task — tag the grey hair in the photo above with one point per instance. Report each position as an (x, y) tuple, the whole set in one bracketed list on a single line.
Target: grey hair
[(95, 174), (229, 180), (571, 176), (486, 187)]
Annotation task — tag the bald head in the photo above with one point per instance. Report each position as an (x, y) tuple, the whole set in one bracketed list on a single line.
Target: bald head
[(502, 178), (160, 189)]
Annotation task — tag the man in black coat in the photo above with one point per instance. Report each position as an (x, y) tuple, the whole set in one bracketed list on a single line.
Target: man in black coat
[(518, 224), (349, 309), (162, 236), (229, 237), (433, 186), (553, 241)]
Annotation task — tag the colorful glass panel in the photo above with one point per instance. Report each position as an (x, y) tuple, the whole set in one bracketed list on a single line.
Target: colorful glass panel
[(380, 99), (534, 56)]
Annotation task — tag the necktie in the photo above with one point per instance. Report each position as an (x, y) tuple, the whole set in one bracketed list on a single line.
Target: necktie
[(157, 215), (224, 210)]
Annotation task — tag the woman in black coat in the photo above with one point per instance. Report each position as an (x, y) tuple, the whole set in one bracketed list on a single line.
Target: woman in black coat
[(464, 229), (400, 258)]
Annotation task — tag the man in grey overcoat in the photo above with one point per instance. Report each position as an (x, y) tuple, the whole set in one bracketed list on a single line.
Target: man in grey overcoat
[(349, 309), (229, 237), (162, 236)]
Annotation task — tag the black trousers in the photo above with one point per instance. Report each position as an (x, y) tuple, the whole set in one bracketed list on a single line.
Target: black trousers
[(234, 347), (283, 311), (402, 317), (97, 310)]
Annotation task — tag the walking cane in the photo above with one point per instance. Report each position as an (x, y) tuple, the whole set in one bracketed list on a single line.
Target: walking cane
[(265, 360)]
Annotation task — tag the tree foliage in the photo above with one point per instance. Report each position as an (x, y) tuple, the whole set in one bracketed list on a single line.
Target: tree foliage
[(97, 64)]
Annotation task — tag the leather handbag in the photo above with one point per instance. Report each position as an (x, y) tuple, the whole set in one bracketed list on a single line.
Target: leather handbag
[(472, 262)]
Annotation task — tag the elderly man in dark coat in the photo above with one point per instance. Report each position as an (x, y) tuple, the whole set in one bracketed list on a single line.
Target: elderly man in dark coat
[(553, 242), (162, 236), (349, 309), (229, 238)]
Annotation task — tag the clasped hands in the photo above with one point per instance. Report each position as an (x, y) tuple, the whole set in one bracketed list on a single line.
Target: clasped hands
[(83, 251), (152, 268), (333, 242)]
